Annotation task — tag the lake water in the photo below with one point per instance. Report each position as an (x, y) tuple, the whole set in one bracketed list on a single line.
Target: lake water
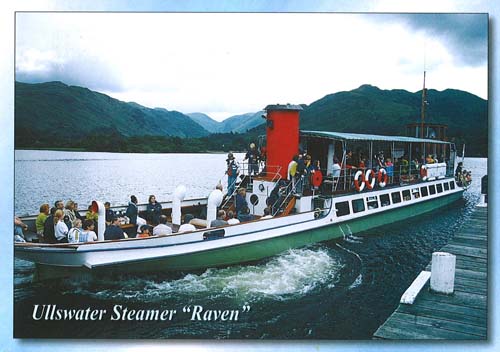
[(335, 290)]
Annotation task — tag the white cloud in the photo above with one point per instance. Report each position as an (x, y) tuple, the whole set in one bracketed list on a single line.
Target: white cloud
[(227, 63)]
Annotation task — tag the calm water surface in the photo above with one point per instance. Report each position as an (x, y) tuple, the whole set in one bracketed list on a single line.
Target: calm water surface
[(334, 290)]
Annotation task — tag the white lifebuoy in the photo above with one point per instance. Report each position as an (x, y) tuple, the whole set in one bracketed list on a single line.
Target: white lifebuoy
[(359, 187), (423, 172), (369, 183), (382, 178)]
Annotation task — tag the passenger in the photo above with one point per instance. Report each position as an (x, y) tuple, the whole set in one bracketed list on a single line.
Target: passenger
[(336, 168), (88, 234), (67, 222), (231, 219), (244, 215), (162, 229), (132, 210), (267, 214), (292, 169), (69, 211), (59, 204), (19, 228), (349, 160), (458, 170), (187, 226), (40, 220), (389, 168), (308, 168), (144, 232), (109, 213), (379, 160), (219, 187), (362, 163), (61, 229), (75, 232), (114, 231), (153, 210), (49, 228), (91, 214), (77, 212), (221, 215), (252, 156), (241, 201), (232, 173), (429, 159)]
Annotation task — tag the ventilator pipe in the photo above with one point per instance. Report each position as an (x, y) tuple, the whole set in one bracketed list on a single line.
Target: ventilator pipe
[(179, 194), (98, 207), (214, 200)]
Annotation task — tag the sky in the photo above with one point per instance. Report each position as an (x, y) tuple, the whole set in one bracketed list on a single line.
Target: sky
[(224, 64)]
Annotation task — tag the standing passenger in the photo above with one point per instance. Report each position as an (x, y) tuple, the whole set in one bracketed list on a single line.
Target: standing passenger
[(252, 156), (232, 173), (153, 210)]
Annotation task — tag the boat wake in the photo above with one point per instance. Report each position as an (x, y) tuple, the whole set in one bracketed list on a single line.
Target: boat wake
[(287, 276)]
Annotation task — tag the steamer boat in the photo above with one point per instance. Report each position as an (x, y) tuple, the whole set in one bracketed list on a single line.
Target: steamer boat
[(339, 198)]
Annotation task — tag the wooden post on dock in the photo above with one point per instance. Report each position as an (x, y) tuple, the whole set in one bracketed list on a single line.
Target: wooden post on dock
[(443, 272)]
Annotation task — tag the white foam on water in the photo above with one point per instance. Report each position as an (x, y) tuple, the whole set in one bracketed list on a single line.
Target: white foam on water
[(288, 275)]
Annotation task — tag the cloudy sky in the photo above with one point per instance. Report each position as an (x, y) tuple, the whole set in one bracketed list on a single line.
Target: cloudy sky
[(223, 64)]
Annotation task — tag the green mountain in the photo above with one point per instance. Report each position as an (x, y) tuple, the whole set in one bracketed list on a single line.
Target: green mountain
[(242, 123), (369, 109), (56, 110), (205, 121)]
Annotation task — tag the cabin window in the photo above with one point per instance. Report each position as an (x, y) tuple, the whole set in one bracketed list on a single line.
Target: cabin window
[(446, 186), (452, 184), (406, 195), (384, 200), (396, 197), (358, 205), (372, 202), (342, 208), (424, 192), (439, 188), (432, 189), (416, 193)]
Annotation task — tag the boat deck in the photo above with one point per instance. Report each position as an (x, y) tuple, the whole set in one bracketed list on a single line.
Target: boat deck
[(461, 316)]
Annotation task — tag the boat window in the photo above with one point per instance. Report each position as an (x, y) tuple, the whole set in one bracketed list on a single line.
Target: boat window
[(342, 208), (384, 200), (432, 189), (213, 235), (396, 197), (452, 184), (446, 186), (358, 205), (424, 192), (439, 188), (372, 202), (416, 193), (406, 195)]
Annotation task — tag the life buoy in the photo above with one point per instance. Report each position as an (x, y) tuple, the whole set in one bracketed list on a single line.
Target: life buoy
[(370, 183), (423, 172), (317, 178), (359, 186), (382, 177)]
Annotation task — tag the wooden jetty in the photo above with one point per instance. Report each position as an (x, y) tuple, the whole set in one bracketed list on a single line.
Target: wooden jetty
[(462, 315)]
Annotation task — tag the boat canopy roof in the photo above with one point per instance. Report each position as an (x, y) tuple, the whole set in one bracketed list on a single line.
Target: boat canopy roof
[(367, 137)]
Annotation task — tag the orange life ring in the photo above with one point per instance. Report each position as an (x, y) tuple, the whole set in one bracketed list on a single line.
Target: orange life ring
[(382, 178), (317, 178), (359, 186), (423, 172), (370, 184)]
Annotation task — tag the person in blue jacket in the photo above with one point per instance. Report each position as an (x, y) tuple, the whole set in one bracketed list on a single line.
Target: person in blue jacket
[(153, 210)]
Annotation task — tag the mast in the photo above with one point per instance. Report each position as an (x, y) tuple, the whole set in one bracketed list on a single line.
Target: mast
[(422, 116)]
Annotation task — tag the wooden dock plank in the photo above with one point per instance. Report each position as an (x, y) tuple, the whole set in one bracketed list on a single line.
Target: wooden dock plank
[(462, 315)]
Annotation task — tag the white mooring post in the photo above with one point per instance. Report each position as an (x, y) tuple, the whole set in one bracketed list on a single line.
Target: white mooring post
[(443, 272)]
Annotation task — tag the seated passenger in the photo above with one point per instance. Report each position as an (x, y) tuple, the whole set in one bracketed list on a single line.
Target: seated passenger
[(241, 201), (114, 231), (109, 213), (75, 232), (429, 159), (61, 229), (48, 227), (144, 232), (19, 228), (231, 219), (88, 234), (187, 226), (221, 215), (69, 211), (267, 214), (244, 215), (162, 229), (40, 220)]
